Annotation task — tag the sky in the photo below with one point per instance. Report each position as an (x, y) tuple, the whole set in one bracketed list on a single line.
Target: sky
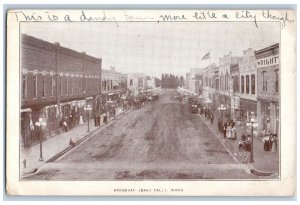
[(155, 48)]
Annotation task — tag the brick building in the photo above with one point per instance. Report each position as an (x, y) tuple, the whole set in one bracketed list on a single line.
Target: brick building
[(268, 87), (57, 83)]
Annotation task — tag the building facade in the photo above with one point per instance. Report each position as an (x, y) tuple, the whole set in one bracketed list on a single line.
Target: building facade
[(209, 86), (234, 91), (111, 81), (136, 82), (225, 85), (187, 80), (268, 88), (150, 83), (193, 81), (248, 85), (56, 85)]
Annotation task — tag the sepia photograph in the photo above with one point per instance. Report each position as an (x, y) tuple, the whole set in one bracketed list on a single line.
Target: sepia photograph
[(149, 100)]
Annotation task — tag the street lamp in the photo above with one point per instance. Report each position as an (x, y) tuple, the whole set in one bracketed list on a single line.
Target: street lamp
[(88, 108), (222, 108), (253, 123), (40, 123)]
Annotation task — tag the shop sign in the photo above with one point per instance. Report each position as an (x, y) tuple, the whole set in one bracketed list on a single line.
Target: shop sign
[(272, 60)]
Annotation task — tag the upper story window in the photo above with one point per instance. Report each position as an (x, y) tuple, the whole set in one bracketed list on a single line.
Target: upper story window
[(277, 81), (24, 85), (242, 84), (247, 84), (253, 84), (264, 81)]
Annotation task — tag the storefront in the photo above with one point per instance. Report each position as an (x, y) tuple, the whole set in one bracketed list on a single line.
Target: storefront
[(27, 127), (226, 101), (268, 75), (247, 107), (235, 107)]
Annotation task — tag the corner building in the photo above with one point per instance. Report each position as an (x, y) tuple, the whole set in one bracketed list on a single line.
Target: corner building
[(56, 84), (268, 87)]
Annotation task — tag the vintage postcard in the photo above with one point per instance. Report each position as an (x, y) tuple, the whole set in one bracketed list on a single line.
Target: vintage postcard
[(151, 102)]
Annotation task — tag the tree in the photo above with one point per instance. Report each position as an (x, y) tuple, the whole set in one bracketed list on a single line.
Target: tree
[(181, 81), (157, 82)]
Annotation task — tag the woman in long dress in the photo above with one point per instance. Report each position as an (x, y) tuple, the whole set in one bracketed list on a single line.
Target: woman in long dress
[(228, 132), (274, 144)]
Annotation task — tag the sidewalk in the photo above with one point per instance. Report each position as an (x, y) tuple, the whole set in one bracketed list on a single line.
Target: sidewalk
[(56, 144), (264, 161)]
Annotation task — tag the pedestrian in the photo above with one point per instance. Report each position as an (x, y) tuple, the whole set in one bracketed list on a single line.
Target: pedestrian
[(224, 130), (24, 163), (105, 118), (271, 142), (212, 118), (98, 119), (71, 121), (267, 142), (71, 143), (228, 132), (234, 135), (248, 148), (219, 125), (274, 145), (95, 120), (115, 112), (65, 125)]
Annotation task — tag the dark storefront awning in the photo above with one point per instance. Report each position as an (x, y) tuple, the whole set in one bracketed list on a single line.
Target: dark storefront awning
[(248, 105)]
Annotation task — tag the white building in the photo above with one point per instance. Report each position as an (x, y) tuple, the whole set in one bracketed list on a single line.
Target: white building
[(194, 82), (136, 82), (150, 83)]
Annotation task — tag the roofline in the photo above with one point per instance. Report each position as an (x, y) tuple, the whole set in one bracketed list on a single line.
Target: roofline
[(267, 48)]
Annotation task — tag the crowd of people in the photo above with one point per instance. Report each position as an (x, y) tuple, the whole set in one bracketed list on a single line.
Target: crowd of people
[(270, 141), (228, 129)]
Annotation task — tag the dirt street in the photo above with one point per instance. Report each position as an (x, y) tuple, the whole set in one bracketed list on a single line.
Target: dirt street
[(159, 141)]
